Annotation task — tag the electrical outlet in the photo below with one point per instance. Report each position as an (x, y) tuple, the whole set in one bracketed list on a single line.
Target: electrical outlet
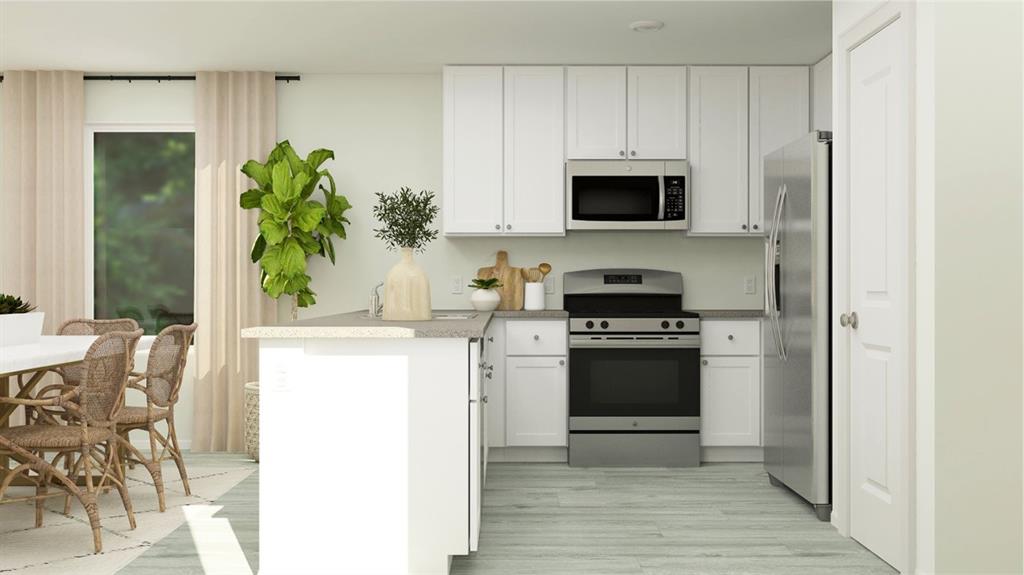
[(750, 285), (456, 284), (549, 284)]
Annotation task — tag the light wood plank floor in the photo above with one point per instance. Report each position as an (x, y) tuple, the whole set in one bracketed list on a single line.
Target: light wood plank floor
[(549, 519)]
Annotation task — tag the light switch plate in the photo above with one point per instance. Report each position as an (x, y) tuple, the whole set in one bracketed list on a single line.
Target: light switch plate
[(750, 285), (456, 284), (549, 284)]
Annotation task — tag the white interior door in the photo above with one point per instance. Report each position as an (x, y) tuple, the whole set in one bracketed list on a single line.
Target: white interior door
[(877, 124)]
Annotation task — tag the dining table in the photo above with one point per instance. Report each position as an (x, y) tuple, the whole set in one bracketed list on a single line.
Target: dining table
[(26, 365)]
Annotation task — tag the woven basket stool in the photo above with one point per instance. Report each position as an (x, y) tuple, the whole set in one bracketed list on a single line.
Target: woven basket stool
[(252, 420)]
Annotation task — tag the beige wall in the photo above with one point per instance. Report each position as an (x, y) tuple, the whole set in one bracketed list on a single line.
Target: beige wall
[(386, 133), (978, 275)]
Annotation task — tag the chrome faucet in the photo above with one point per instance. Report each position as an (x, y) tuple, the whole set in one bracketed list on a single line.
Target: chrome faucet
[(376, 308)]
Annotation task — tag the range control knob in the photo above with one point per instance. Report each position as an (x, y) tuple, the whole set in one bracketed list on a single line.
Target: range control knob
[(680, 325), (664, 325), (590, 325), (604, 325)]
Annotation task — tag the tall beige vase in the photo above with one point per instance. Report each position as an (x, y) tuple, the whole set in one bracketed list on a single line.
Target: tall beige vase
[(406, 291)]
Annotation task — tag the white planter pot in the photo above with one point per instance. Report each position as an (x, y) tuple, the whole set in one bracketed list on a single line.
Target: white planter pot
[(407, 291), (485, 299), (20, 328)]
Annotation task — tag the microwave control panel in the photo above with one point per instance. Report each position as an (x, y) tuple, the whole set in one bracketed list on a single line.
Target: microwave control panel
[(675, 198)]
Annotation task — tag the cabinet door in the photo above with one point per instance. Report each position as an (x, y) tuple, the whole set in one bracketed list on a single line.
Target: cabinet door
[(472, 199), (779, 114), (656, 112), (730, 401), (536, 401), (475, 475), (534, 150), (494, 375), (718, 150), (596, 107)]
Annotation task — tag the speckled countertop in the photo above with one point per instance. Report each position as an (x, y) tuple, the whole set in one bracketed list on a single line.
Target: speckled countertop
[(729, 313), (527, 314), (358, 324)]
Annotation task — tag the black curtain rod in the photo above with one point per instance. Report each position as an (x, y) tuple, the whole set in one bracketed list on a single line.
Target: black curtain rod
[(279, 78)]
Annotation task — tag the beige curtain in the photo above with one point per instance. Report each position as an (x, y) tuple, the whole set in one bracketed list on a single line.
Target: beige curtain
[(236, 119), (42, 196)]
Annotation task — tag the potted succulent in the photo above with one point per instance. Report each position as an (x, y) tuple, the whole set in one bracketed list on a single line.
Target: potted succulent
[(485, 294), (406, 220), (19, 323)]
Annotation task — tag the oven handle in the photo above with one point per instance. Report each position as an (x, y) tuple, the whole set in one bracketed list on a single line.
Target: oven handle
[(586, 341)]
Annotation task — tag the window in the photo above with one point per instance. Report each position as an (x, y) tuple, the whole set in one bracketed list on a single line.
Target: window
[(143, 225)]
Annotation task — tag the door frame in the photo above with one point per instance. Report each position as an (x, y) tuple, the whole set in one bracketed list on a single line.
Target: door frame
[(841, 490)]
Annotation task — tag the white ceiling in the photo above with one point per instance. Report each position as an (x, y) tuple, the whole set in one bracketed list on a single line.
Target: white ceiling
[(409, 36)]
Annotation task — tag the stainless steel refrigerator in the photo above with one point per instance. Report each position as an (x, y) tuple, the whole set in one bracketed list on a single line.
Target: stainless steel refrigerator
[(795, 331)]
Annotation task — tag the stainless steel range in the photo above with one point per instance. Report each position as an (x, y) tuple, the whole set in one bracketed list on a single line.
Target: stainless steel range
[(634, 369)]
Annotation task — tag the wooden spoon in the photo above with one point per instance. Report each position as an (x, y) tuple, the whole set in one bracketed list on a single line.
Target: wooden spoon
[(545, 269)]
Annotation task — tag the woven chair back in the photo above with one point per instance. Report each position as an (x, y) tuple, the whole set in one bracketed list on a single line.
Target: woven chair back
[(165, 367), (105, 375)]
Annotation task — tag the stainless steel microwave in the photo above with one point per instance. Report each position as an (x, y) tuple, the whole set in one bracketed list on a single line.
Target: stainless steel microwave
[(627, 195)]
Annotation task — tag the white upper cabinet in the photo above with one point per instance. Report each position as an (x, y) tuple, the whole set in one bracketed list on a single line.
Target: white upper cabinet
[(473, 156), (656, 112), (534, 149), (779, 114), (718, 150), (596, 122)]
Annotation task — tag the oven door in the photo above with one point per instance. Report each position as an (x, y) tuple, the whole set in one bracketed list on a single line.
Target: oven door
[(615, 195), (634, 383)]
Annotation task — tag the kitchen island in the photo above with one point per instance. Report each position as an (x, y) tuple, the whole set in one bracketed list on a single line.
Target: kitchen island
[(369, 443)]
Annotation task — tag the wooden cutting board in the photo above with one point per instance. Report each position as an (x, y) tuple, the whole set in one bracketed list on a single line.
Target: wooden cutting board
[(511, 280)]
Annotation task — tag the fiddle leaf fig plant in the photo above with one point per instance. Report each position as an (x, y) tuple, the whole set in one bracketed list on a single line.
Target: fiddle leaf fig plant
[(293, 226)]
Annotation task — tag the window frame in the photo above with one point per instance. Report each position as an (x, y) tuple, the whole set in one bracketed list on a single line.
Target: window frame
[(89, 207)]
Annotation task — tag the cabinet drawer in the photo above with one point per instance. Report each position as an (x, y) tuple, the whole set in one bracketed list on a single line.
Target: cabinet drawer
[(536, 337), (730, 337)]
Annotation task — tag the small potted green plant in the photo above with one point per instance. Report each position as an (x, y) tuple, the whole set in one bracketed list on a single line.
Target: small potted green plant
[(406, 219), (19, 323), (485, 294)]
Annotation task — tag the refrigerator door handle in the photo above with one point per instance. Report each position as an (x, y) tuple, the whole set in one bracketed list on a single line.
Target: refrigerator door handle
[(770, 271), (777, 249)]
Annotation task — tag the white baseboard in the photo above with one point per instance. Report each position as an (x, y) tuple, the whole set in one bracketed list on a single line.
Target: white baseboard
[(732, 454), (528, 455)]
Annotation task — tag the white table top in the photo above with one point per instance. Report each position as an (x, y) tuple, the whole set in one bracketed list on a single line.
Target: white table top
[(52, 350)]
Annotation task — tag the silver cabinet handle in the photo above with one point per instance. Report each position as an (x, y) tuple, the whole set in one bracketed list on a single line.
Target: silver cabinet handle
[(850, 320), (622, 153), (489, 367), (755, 226), (491, 339), (744, 226), (508, 226), (489, 375), (705, 362), (632, 153), (731, 337), (536, 337), (561, 362), (497, 226), (484, 399)]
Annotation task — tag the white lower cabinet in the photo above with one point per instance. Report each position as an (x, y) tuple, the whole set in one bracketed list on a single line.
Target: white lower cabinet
[(730, 383), (730, 401), (536, 396)]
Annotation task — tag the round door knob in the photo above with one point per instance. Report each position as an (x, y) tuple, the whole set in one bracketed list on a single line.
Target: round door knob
[(664, 325), (622, 153), (731, 337), (604, 325), (590, 325), (705, 362), (497, 226), (744, 226), (561, 362), (680, 325), (755, 226), (632, 152), (508, 226), (536, 337)]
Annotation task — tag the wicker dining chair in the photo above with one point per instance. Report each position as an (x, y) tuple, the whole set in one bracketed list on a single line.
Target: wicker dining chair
[(91, 433), (165, 369), (72, 374)]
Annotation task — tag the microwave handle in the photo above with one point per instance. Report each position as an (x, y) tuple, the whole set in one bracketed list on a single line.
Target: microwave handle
[(661, 198)]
